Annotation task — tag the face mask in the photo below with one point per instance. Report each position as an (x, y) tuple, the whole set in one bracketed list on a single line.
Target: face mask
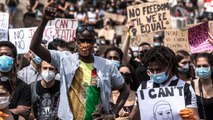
[(159, 78), (6, 63), (156, 44), (48, 75), (4, 102), (203, 72), (184, 69), (37, 60), (85, 49), (127, 78), (116, 63)]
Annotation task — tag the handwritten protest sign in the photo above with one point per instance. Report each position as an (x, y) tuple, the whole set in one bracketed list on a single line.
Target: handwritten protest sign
[(160, 102), (115, 17), (137, 40), (150, 17), (176, 40), (21, 37), (65, 28), (198, 38), (4, 23)]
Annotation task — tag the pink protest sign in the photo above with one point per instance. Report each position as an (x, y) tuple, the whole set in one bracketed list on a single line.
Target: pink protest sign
[(198, 38)]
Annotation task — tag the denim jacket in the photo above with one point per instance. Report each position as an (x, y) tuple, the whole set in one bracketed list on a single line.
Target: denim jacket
[(67, 64)]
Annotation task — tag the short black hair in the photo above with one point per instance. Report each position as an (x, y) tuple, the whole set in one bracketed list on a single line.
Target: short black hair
[(57, 42), (163, 56), (11, 46), (114, 49)]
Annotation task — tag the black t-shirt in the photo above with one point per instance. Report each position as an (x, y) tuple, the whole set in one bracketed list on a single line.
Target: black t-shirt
[(21, 96), (45, 105), (141, 70)]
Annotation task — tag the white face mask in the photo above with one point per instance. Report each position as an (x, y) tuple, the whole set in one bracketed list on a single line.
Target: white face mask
[(4, 102), (48, 75)]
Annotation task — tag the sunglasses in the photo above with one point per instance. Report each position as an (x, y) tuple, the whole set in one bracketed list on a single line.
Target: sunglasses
[(126, 74), (86, 40), (82, 28)]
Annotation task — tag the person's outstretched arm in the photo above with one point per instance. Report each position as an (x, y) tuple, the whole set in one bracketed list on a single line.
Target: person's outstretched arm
[(126, 43), (35, 45)]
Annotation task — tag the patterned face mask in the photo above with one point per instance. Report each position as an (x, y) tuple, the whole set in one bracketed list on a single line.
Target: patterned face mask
[(85, 49)]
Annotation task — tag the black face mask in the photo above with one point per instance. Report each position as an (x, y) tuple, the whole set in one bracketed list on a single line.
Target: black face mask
[(127, 77), (142, 53)]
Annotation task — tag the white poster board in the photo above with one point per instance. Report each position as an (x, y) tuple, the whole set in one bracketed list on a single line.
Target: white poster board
[(21, 37), (158, 103), (4, 24), (65, 28)]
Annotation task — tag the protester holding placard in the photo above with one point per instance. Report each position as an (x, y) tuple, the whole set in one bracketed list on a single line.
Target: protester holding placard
[(185, 69), (83, 75), (203, 86), (162, 65)]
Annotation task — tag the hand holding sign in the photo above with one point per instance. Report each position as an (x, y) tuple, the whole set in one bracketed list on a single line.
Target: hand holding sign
[(187, 114)]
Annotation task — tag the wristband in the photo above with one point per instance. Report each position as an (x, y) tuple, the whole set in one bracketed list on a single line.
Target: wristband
[(128, 33)]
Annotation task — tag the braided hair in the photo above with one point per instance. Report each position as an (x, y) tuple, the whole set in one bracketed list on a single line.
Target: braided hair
[(162, 56)]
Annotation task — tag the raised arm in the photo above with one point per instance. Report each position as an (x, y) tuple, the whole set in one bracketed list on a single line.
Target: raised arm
[(35, 45), (126, 43)]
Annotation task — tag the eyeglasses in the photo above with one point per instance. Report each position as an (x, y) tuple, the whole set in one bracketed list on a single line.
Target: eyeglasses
[(82, 28), (86, 40)]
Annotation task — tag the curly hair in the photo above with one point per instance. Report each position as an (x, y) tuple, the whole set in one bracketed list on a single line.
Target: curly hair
[(162, 56)]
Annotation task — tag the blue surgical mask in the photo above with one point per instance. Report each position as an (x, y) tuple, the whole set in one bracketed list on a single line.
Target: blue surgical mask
[(184, 69), (156, 44), (37, 60), (159, 78), (116, 63), (6, 63), (203, 72)]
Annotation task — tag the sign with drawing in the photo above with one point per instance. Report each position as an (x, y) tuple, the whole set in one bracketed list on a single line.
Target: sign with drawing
[(4, 23), (160, 103)]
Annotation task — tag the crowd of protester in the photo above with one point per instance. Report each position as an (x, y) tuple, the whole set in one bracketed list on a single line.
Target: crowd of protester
[(92, 77)]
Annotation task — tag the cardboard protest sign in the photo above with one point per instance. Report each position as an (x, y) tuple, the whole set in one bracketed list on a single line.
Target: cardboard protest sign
[(149, 38), (176, 40), (199, 38), (159, 102), (109, 34), (150, 17), (120, 30), (65, 28), (21, 37), (4, 24), (115, 17)]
